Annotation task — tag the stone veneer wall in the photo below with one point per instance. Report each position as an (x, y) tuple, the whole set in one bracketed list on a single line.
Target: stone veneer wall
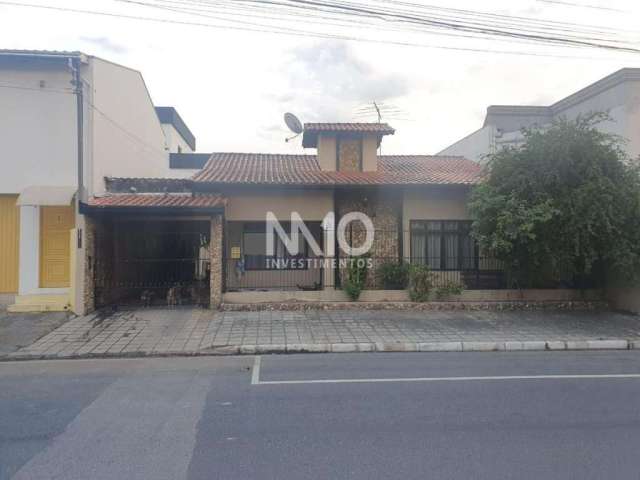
[(90, 233), (349, 154), (384, 207), (215, 250)]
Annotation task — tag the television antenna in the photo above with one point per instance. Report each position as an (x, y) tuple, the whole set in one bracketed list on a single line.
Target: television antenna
[(380, 110), (294, 124)]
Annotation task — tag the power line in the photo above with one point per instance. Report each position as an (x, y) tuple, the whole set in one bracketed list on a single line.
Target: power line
[(36, 89), (360, 9), (582, 5), (281, 32), (93, 107), (308, 15), (131, 135), (474, 17)]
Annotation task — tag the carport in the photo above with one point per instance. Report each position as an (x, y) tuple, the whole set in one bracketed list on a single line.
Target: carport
[(154, 249)]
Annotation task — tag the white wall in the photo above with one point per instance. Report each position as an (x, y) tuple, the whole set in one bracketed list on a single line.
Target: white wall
[(618, 94), (622, 102), (474, 146), (128, 140), (37, 128), (174, 139)]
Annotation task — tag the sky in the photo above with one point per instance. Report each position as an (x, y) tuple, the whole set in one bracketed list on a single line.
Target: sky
[(232, 87)]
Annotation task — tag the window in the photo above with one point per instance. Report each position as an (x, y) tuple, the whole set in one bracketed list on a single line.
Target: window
[(254, 241), (443, 245)]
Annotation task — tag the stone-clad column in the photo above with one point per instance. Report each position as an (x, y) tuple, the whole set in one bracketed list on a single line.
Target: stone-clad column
[(88, 275), (215, 251)]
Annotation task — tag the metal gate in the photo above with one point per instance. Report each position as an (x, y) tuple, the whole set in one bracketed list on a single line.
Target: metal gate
[(160, 263)]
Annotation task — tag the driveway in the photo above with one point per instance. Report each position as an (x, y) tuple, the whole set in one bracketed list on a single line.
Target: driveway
[(188, 331), (18, 330)]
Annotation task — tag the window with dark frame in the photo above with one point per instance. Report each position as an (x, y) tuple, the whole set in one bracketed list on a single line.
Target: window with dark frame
[(443, 244), (254, 246)]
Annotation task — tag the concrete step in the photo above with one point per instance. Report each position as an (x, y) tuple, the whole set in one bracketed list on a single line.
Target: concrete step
[(40, 303)]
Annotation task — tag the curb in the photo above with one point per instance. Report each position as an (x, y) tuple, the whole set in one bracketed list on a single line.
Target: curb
[(454, 305), (470, 346)]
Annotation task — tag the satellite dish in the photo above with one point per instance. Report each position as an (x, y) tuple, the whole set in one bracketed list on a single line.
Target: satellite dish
[(293, 123)]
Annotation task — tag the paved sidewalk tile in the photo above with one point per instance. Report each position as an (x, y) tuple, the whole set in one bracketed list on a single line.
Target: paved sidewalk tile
[(192, 331)]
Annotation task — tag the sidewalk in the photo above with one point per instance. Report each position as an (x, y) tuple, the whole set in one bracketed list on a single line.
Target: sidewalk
[(18, 330), (182, 331)]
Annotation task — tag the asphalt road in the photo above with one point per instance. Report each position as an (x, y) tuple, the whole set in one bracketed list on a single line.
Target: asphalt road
[(486, 415)]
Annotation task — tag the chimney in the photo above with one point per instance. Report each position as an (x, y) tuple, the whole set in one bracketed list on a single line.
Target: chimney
[(346, 147)]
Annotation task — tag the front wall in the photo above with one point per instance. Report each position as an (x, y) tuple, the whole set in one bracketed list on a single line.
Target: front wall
[(37, 127), (435, 204), (9, 243), (128, 140), (327, 152), (432, 204), (254, 205)]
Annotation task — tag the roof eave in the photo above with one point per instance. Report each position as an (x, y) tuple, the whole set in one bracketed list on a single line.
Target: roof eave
[(87, 209)]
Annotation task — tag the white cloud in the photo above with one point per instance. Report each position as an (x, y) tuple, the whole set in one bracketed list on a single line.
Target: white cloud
[(233, 87), (104, 44), (327, 80)]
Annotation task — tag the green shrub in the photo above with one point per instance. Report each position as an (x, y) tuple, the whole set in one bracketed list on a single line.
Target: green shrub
[(448, 289), (420, 283), (393, 276), (356, 277)]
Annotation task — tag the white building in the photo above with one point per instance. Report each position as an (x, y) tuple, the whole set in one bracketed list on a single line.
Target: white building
[(618, 94), (121, 134)]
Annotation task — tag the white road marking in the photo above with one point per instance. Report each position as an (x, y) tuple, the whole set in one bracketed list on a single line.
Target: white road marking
[(255, 380), (255, 371)]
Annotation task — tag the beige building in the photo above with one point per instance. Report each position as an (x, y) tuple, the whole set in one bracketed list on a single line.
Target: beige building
[(208, 236)]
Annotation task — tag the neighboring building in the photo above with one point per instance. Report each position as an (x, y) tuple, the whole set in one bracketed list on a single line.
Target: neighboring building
[(206, 236), (618, 94), (177, 135), (42, 237)]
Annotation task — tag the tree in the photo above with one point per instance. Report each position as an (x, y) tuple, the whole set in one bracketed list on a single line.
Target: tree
[(563, 206)]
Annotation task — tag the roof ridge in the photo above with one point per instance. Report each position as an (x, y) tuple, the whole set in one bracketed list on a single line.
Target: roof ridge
[(266, 154), (436, 155)]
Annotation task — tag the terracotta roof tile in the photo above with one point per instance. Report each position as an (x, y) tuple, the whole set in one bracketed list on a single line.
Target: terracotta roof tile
[(276, 169), (381, 128), (311, 130), (173, 200)]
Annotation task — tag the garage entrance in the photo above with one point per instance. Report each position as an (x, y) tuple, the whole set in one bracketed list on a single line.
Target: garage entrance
[(152, 262)]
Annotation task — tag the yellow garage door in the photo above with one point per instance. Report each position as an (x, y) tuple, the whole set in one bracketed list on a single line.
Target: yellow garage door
[(9, 242), (55, 223)]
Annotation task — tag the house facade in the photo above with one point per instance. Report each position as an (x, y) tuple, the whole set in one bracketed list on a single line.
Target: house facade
[(69, 120), (208, 236), (617, 94)]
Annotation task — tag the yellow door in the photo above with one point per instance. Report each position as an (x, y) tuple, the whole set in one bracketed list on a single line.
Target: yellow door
[(55, 223), (9, 243)]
